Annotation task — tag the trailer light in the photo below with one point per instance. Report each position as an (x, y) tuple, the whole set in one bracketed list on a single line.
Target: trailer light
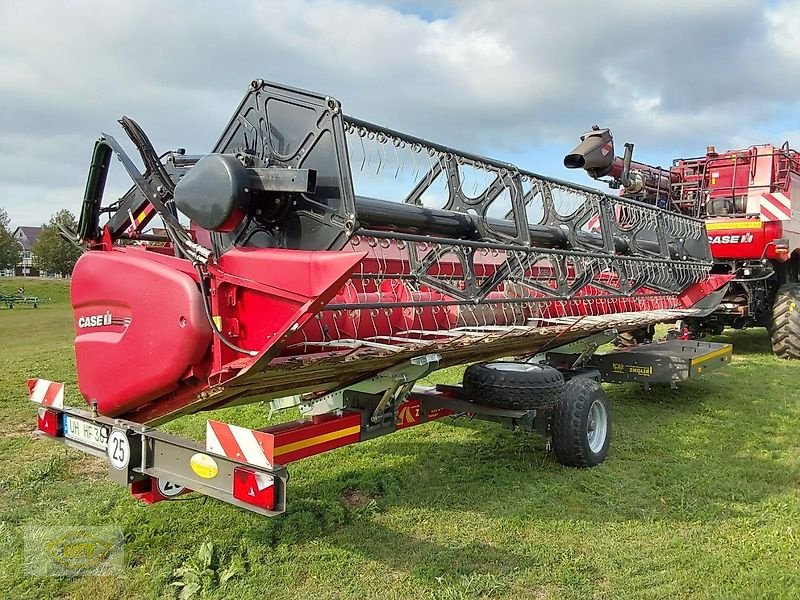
[(254, 488), (781, 246), (49, 421)]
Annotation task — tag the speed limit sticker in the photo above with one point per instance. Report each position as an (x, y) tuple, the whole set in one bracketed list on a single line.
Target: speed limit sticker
[(169, 489), (119, 450)]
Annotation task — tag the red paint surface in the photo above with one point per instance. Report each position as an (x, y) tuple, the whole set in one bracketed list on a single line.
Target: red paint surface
[(157, 328)]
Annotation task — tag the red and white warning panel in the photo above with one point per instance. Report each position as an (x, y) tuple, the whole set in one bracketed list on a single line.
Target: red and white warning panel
[(47, 393), (239, 443), (775, 206), (284, 443)]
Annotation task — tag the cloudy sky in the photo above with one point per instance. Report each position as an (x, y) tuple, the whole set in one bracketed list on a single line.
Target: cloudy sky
[(518, 80)]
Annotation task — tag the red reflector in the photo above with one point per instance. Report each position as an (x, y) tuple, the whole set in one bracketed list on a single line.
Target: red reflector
[(49, 422), (254, 488)]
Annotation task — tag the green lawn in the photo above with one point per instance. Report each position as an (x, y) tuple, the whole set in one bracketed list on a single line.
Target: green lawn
[(700, 497)]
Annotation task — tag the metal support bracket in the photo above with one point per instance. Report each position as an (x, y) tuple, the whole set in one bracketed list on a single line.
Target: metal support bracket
[(585, 348), (394, 384)]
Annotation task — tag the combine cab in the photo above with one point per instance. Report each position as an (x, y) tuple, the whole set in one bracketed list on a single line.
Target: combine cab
[(316, 261), (750, 201)]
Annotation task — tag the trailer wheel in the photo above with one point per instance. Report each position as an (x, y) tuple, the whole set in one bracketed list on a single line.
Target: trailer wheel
[(582, 424), (785, 329), (514, 385)]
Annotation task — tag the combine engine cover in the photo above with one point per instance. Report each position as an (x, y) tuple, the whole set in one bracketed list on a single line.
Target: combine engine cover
[(324, 249)]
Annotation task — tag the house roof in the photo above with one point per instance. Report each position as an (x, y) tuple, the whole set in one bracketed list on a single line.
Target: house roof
[(27, 236)]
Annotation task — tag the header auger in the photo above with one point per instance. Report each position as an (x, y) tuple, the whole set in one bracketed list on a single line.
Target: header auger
[(328, 264)]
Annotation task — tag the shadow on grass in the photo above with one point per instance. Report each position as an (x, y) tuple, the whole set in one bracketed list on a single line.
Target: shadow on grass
[(704, 453), (675, 462), (745, 341)]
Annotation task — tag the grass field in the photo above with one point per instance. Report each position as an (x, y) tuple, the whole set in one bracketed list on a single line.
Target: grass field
[(700, 497)]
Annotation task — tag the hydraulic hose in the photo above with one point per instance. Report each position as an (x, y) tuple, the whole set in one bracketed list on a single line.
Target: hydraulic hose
[(207, 310)]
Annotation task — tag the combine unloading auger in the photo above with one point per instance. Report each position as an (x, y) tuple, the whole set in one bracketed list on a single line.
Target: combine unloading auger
[(329, 264), (749, 199)]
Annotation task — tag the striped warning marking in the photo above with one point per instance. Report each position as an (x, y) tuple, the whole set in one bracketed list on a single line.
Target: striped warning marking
[(46, 393), (239, 443), (294, 441), (775, 207), (332, 438), (722, 352), (284, 443)]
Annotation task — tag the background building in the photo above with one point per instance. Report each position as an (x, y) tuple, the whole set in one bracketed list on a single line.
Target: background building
[(26, 237)]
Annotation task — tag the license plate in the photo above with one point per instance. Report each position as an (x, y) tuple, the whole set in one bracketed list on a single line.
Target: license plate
[(86, 432)]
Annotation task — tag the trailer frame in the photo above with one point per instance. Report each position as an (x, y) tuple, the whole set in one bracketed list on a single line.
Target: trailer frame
[(248, 467)]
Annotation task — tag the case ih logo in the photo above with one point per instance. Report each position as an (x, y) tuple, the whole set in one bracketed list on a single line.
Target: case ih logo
[(95, 320), (744, 238)]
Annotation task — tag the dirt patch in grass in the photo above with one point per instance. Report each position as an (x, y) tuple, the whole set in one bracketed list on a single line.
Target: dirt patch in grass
[(356, 499), (89, 467)]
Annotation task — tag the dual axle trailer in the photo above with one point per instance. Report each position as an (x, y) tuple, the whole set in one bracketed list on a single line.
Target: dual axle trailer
[(327, 266)]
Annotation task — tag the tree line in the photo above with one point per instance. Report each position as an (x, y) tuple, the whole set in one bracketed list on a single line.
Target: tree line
[(52, 253)]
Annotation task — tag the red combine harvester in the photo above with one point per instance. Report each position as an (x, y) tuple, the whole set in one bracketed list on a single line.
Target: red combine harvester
[(283, 278), (750, 201)]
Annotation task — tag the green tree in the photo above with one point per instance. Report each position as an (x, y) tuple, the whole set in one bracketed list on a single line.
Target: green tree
[(53, 253), (9, 248)]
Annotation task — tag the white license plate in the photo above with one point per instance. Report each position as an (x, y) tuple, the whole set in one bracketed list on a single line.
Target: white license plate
[(86, 432)]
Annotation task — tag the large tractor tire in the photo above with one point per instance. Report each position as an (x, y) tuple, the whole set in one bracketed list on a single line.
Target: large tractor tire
[(514, 385), (785, 330), (582, 424)]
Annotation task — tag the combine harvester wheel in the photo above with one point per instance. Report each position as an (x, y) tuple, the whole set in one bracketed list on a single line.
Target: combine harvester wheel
[(785, 330)]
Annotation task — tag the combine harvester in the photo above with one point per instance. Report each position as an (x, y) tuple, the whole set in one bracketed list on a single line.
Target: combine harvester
[(750, 201), (295, 285)]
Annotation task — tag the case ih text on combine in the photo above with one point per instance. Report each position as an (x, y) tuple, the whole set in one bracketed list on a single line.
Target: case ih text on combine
[(296, 286), (750, 201)]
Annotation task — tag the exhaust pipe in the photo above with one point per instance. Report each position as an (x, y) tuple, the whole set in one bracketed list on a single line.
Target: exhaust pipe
[(595, 153)]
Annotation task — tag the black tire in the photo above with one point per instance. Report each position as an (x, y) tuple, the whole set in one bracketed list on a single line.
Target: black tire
[(573, 442), (518, 386), (785, 328)]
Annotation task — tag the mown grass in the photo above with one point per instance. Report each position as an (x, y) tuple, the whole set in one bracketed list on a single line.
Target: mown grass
[(700, 497)]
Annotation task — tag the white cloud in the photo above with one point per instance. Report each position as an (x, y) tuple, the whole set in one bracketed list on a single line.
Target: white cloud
[(509, 75)]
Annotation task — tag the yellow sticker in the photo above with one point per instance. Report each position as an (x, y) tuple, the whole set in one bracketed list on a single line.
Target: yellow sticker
[(204, 466)]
